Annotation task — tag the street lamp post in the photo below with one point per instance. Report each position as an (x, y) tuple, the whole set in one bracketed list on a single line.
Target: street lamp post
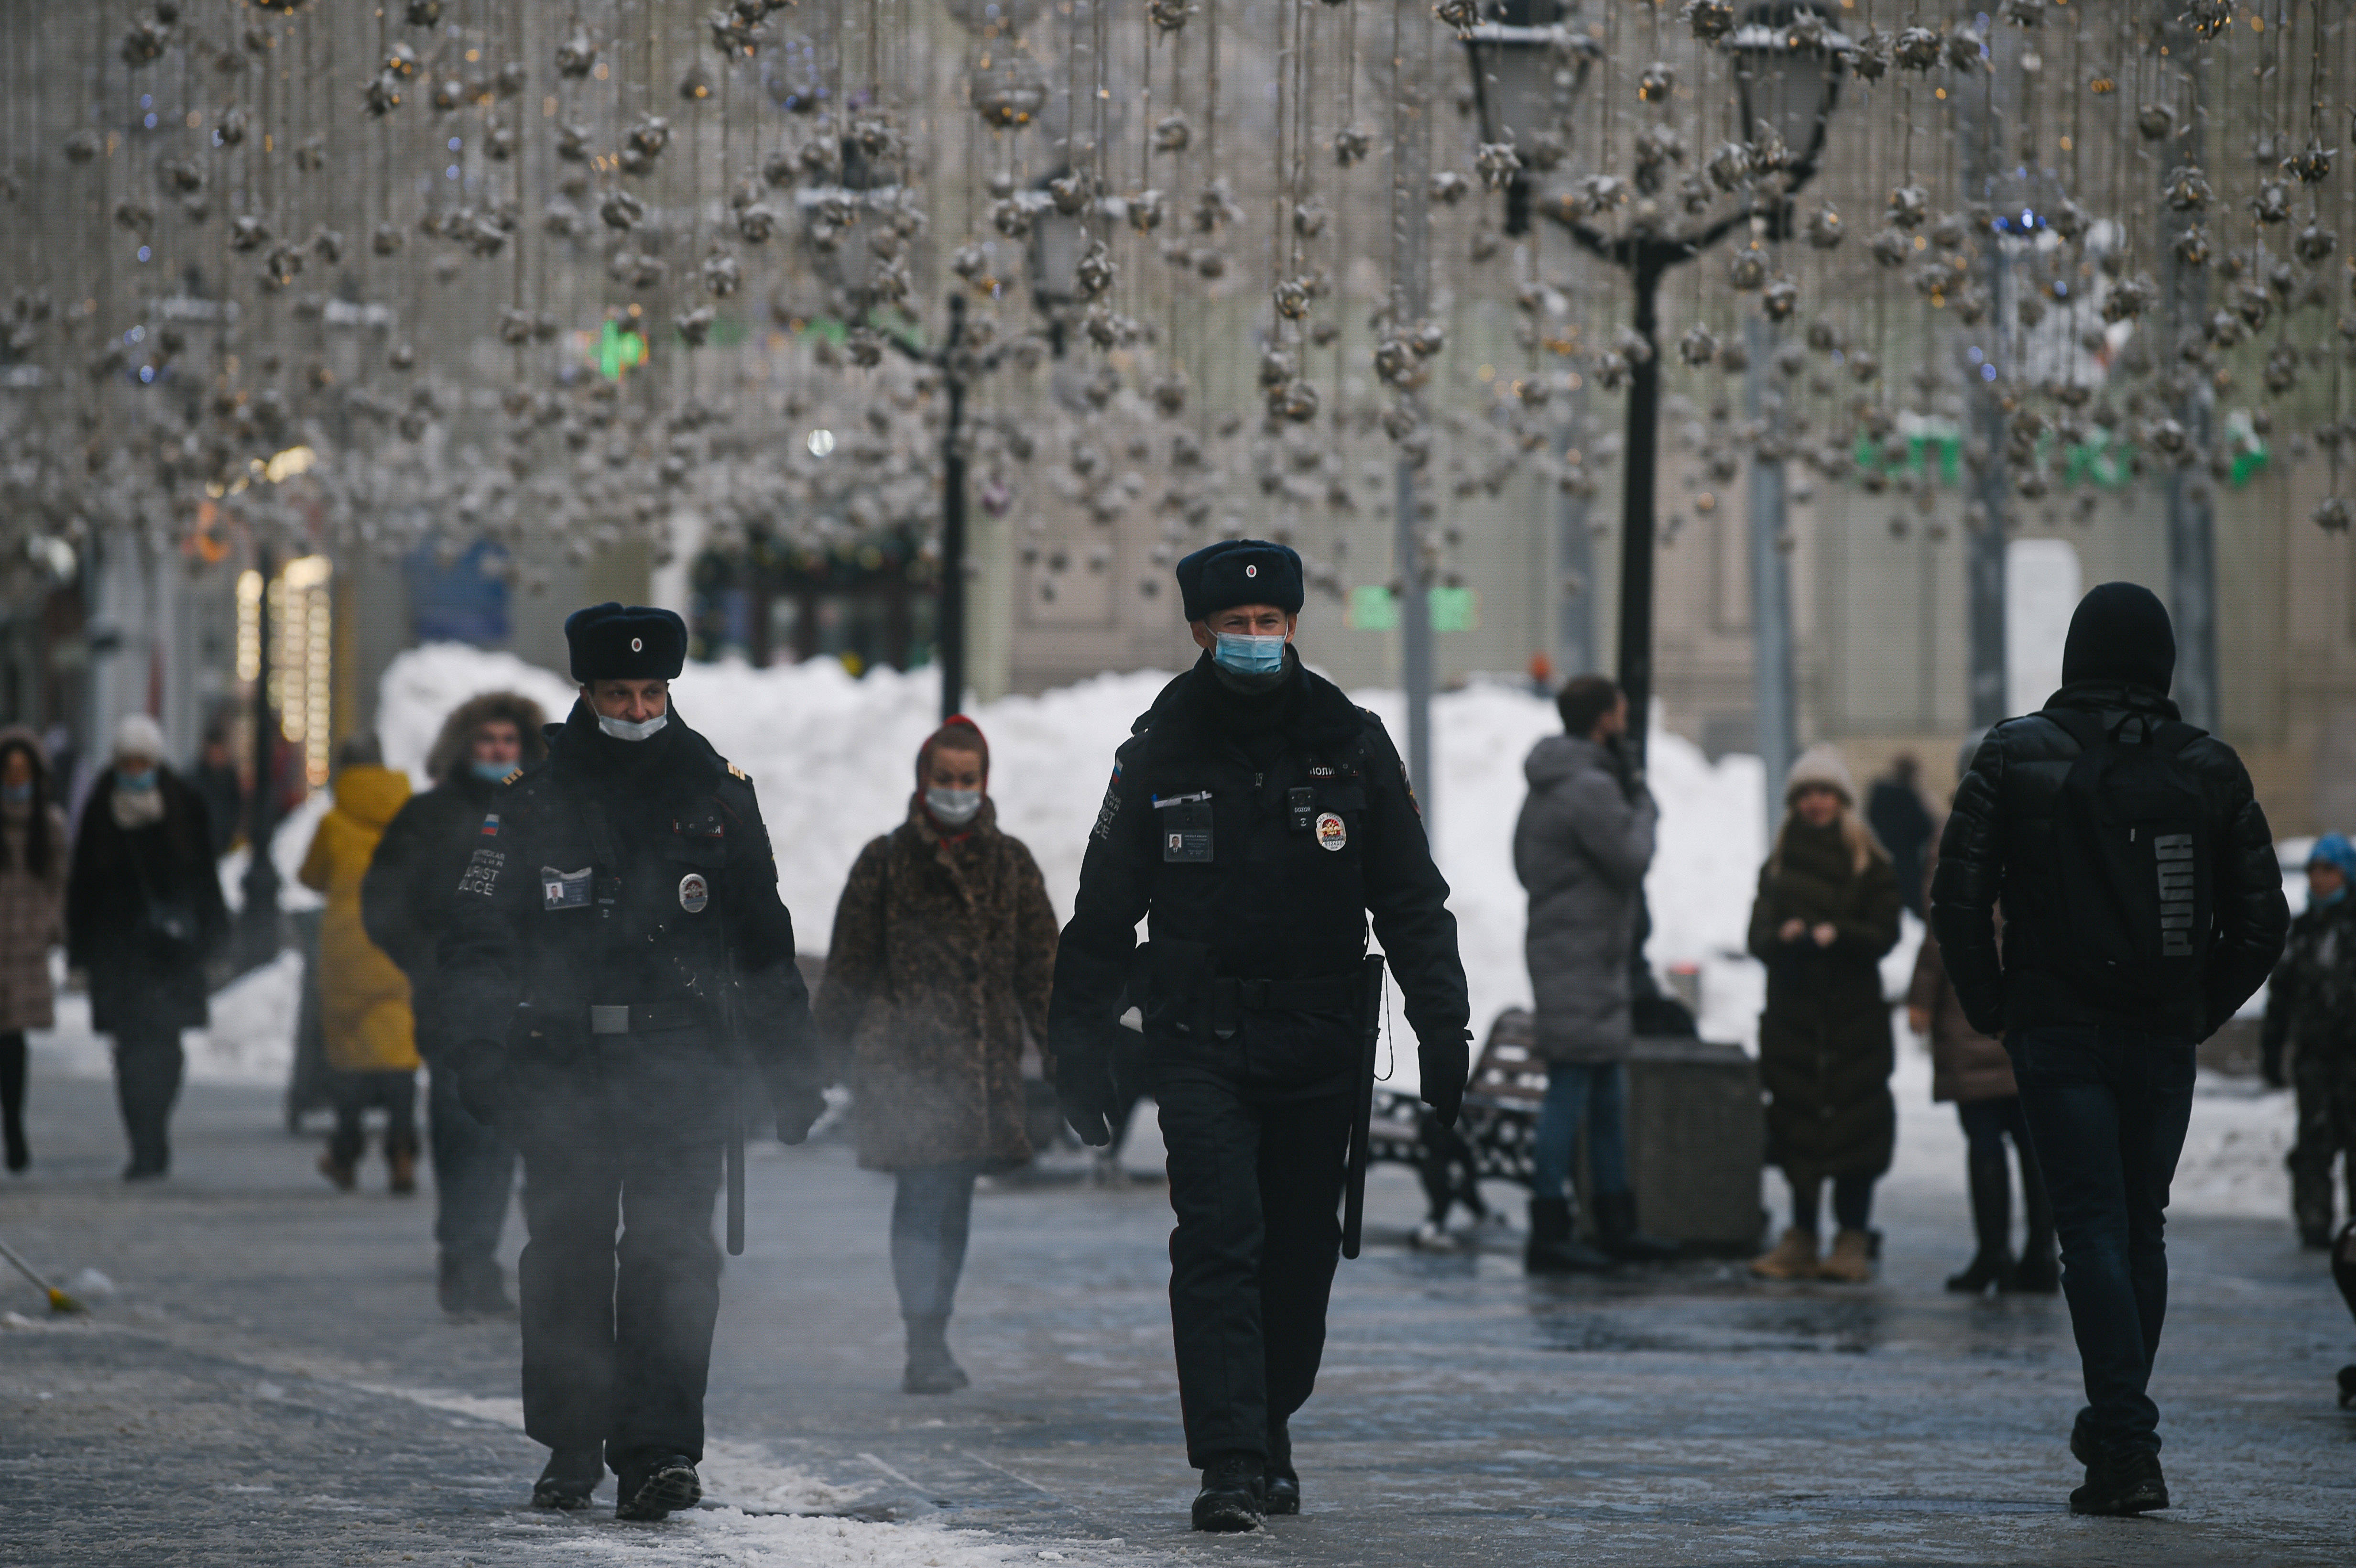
[(260, 931), (1524, 65)]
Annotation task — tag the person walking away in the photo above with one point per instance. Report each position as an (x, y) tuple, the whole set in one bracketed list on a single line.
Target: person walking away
[(405, 904), (364, 1011), (32, 907), (616, 951), (2143, 905), (143, 913), (216, 779), (2311, 1019), (1580, 848), (1894, 809), (1971, 1070), (1826, 912), (1258, 818), (942, 954)]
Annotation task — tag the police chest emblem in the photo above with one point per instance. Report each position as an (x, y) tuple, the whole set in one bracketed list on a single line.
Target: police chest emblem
[(694, 892), (1332, 834)]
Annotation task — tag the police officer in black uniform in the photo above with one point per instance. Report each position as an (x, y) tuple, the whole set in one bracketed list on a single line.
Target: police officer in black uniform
[(618, 954), (1259, 818)]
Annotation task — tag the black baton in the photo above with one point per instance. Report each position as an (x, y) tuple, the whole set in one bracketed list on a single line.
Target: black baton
[(1362, 1114), (737, 1175)]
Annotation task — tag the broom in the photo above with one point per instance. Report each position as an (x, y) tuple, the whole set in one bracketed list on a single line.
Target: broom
[(58, 1300)]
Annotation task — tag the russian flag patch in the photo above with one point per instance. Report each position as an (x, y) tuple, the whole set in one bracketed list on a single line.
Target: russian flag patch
[(491, 825)]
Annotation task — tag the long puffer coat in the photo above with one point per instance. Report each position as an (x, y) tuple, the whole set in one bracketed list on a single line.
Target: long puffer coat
[(135, 978), (944, 952), (32, 903), (1580, 848), (1825, 1048), (363, 995)]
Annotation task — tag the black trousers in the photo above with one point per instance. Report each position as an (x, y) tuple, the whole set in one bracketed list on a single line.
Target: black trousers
[(474, 1170), (395, 1092), (617, 1335), (148, 1066), (1257, 1185)]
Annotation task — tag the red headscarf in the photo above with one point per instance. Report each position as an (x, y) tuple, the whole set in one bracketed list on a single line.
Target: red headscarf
[(959, 733)]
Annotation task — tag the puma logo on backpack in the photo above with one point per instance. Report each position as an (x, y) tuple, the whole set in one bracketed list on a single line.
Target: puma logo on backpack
[(2132, 859)]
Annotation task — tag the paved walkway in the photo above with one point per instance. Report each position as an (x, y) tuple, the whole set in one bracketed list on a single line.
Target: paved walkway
[(270, 1384)]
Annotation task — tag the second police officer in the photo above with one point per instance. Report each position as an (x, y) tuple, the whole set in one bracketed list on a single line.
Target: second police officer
[(1257, 818), (616, 951)]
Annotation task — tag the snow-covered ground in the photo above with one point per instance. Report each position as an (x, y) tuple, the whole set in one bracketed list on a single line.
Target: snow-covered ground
[(832, 757)]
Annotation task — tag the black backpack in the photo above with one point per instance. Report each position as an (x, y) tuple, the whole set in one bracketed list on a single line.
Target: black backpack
[(2133, 848)]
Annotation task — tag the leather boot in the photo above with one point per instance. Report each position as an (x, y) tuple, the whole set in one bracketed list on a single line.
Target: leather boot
[(1615, 1228), (1851, 1260), (1233, 1494), (1552, 1249), (1283, 1484), (1992, 1264), (345, 1176), (570, 1478), (401, 1167), (1792, 1257)]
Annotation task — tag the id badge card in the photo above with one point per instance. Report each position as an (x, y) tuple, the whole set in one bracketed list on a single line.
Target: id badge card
[(564, 889), (1185, 825)]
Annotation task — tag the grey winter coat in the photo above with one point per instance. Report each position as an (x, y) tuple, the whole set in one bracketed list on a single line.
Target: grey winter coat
[(1580, 850)]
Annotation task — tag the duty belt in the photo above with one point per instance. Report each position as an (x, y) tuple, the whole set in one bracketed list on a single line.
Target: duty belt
[(649, 1017), (1231, 998)]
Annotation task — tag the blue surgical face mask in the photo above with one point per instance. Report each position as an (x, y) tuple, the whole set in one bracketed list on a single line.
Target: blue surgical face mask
[(143, 780), (952, 807), (494, 773), (623, 729), (1245, 655), (17, 794), (2337, 894)]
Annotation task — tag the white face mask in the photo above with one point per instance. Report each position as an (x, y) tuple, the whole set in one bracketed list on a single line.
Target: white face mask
[(955, 807), (623, 729)]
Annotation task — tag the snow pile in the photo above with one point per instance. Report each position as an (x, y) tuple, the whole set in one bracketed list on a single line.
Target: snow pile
[(833, 757), (252, 1039)]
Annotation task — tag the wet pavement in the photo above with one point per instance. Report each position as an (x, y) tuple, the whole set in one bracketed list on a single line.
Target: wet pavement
[(270, 1382)]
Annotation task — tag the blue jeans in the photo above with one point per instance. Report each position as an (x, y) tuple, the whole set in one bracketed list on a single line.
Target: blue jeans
[(931, 1212), (1588, 1096), (474, 1171), (2107, 1109)]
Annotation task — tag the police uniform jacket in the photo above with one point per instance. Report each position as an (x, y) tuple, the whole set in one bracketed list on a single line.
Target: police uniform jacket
[(573, 947), (2311, 1000), (1258, 831)]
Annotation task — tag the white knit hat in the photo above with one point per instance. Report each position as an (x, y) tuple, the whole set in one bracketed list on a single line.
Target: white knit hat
[(1820, 764), (138, 736)]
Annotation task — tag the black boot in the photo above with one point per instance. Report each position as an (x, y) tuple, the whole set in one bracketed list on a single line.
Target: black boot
[(571, 1480), (2127, 1485), (656, 1486), (1982, 1271), (1282, 1487), (486, 1288), (450, 1288), (2038, 1272), (1990, 1179), (1233, 1494), (1615, 1228), (1552, 1248), (931, 1369)]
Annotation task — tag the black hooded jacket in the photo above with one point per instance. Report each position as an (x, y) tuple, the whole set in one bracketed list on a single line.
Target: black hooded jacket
[(1304, 826), (541, 927), (1998, 846)]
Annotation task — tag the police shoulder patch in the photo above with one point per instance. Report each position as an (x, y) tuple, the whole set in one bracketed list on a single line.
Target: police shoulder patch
[(1110, 809), (739, 774)]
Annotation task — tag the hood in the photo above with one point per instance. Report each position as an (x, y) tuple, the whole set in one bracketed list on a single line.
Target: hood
[(448, 757), (370, 793), (1559, 757)]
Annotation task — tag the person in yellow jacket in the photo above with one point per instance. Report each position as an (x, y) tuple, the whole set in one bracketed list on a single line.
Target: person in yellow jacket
[(364, 997)]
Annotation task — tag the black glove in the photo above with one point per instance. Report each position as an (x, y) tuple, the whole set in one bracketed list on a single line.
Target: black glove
[(1084, 1091), (482, 1067), (1446, 1064), (798, 1107)]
